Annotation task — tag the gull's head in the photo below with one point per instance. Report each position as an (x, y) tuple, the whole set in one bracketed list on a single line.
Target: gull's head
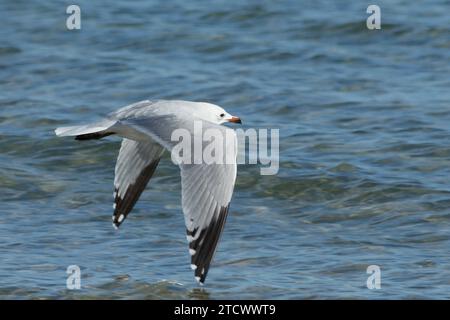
[(215, 114)]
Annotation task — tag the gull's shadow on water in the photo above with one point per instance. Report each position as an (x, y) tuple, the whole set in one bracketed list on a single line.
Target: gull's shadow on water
[(199, 294)]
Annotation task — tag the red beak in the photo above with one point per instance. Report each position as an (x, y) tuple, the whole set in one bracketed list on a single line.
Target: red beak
[(235, 120)]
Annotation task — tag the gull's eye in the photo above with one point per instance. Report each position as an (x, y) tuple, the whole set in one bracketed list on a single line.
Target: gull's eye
[(222, 115)]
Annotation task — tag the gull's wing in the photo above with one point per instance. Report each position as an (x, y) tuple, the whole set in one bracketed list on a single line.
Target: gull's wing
[(135, 166), (206, 189), (206, 195)]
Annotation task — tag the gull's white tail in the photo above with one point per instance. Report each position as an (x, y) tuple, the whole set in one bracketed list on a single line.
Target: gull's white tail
[(90, 131)]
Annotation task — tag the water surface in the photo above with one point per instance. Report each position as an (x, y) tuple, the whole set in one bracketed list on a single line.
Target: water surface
[(364, 137)]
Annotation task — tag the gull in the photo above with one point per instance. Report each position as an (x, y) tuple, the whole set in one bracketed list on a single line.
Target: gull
[(146, 128)]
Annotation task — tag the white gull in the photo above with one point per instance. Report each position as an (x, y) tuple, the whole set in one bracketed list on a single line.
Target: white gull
[(146, 129)]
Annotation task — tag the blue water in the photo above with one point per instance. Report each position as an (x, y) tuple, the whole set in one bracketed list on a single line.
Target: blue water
[(364, 148)]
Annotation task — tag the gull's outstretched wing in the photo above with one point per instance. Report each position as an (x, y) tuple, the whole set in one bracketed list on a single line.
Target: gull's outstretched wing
[(206, 195), (135, 166)]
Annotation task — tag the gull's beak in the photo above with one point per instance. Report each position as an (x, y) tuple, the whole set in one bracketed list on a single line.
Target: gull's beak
[(235, 120)]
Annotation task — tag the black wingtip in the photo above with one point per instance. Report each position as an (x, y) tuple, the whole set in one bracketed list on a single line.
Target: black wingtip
[(124, 203), (203, 247), (200, 280), (95, 135), (118, 220)]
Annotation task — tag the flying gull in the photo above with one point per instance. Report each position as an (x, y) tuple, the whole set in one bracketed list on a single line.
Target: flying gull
[(146, 128)]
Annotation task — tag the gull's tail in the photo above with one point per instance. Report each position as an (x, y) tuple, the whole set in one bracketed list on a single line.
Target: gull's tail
[(96, 130)]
